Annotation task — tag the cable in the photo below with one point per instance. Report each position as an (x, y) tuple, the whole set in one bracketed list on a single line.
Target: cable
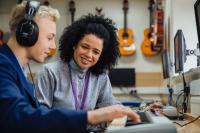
[(170, 97), (182, 125), (178, 96), (185, 95), (31, 75)]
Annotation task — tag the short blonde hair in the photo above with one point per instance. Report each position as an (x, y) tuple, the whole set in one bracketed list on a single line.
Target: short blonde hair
[(18, 14)]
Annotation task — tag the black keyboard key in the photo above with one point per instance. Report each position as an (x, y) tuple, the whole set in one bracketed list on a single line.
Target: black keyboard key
[(143, 117)]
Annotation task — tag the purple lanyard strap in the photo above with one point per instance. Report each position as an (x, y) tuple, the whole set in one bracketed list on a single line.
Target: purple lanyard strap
[(74, 90)]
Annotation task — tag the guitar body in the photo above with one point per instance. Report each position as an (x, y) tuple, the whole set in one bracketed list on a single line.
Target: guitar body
[(126, 42), (146, 46)]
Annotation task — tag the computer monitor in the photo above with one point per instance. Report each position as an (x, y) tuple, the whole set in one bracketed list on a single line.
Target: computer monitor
[(122, 77), (179, 51), (166, 63), (197, 17)]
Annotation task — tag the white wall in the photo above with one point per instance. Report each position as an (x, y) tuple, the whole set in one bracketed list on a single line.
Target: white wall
[(138, 20), (183, 17)]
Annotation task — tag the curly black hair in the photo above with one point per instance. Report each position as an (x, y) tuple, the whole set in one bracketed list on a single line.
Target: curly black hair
[(99, 26)]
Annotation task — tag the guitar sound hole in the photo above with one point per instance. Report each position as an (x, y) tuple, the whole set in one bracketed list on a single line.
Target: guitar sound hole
[(125, 35)]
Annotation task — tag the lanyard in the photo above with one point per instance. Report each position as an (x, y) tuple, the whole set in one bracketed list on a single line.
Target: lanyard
[(79, 105)]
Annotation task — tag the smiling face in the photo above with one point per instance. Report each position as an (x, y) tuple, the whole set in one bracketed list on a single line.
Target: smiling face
[(46, 40), (88, 51)]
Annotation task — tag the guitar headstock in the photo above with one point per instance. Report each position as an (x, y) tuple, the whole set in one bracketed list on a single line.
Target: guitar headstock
[(99, 11), (159, 4), (152, 5), (125, 5), (72, 8), (46, 3)]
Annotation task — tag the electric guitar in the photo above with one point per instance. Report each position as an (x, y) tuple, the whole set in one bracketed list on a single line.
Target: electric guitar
[(72, 9), (160, 24), (150, 34), (1, 38), (126, 42)]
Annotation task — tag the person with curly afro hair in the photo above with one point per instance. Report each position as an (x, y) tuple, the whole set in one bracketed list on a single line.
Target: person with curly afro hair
[(88, 50)]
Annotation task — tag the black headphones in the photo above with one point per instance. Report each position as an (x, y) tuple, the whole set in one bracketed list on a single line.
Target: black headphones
[(27, 30)]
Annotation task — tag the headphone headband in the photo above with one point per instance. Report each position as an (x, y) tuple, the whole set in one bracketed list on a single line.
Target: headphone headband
[(27, 30), (31, 8)]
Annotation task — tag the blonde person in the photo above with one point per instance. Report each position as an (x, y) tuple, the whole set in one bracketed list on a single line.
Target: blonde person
[(32, 36)]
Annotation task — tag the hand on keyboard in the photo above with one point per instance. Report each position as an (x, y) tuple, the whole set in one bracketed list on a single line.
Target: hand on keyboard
[(143, 117), (154, 107), (109, 113)]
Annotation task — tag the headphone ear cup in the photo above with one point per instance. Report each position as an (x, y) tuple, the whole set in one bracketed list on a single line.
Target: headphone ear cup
[(27, 33)]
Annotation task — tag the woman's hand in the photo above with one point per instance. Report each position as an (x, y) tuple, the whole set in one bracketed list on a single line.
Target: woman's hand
[(109, 113)]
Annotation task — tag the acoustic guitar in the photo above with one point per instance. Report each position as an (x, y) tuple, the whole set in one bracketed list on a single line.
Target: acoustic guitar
[(150, 34), (126, 42), (72, 9), (1, 38)]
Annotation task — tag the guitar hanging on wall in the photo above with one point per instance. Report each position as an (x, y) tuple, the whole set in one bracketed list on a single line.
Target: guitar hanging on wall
[(160, 24), (72, 10), (150, 34), (126, 42)]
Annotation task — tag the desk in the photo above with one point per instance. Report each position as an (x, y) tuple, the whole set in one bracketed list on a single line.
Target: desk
[(151, 123), (190, 128)]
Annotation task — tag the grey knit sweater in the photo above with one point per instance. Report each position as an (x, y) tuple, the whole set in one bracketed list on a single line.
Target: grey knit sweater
[(53, 87)]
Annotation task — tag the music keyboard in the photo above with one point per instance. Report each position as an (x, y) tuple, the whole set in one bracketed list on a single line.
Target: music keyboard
[(150, 122)]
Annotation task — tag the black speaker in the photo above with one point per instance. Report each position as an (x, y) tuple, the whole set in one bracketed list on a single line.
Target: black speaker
[(27, 30)]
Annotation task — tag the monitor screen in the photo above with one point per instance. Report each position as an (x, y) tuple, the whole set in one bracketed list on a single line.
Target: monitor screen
[(197, 17), (179, 51), (166, 64), (122, 77)]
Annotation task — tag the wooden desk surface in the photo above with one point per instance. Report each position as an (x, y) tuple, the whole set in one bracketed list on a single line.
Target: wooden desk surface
[(190, 128)]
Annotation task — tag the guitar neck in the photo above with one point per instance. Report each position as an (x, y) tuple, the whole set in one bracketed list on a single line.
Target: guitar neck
[(72, 17), (152, 15), (125, 9), (72, 10), (125, 21)]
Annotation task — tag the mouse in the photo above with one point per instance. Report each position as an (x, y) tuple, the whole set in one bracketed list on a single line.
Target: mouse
[(170, 112)]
